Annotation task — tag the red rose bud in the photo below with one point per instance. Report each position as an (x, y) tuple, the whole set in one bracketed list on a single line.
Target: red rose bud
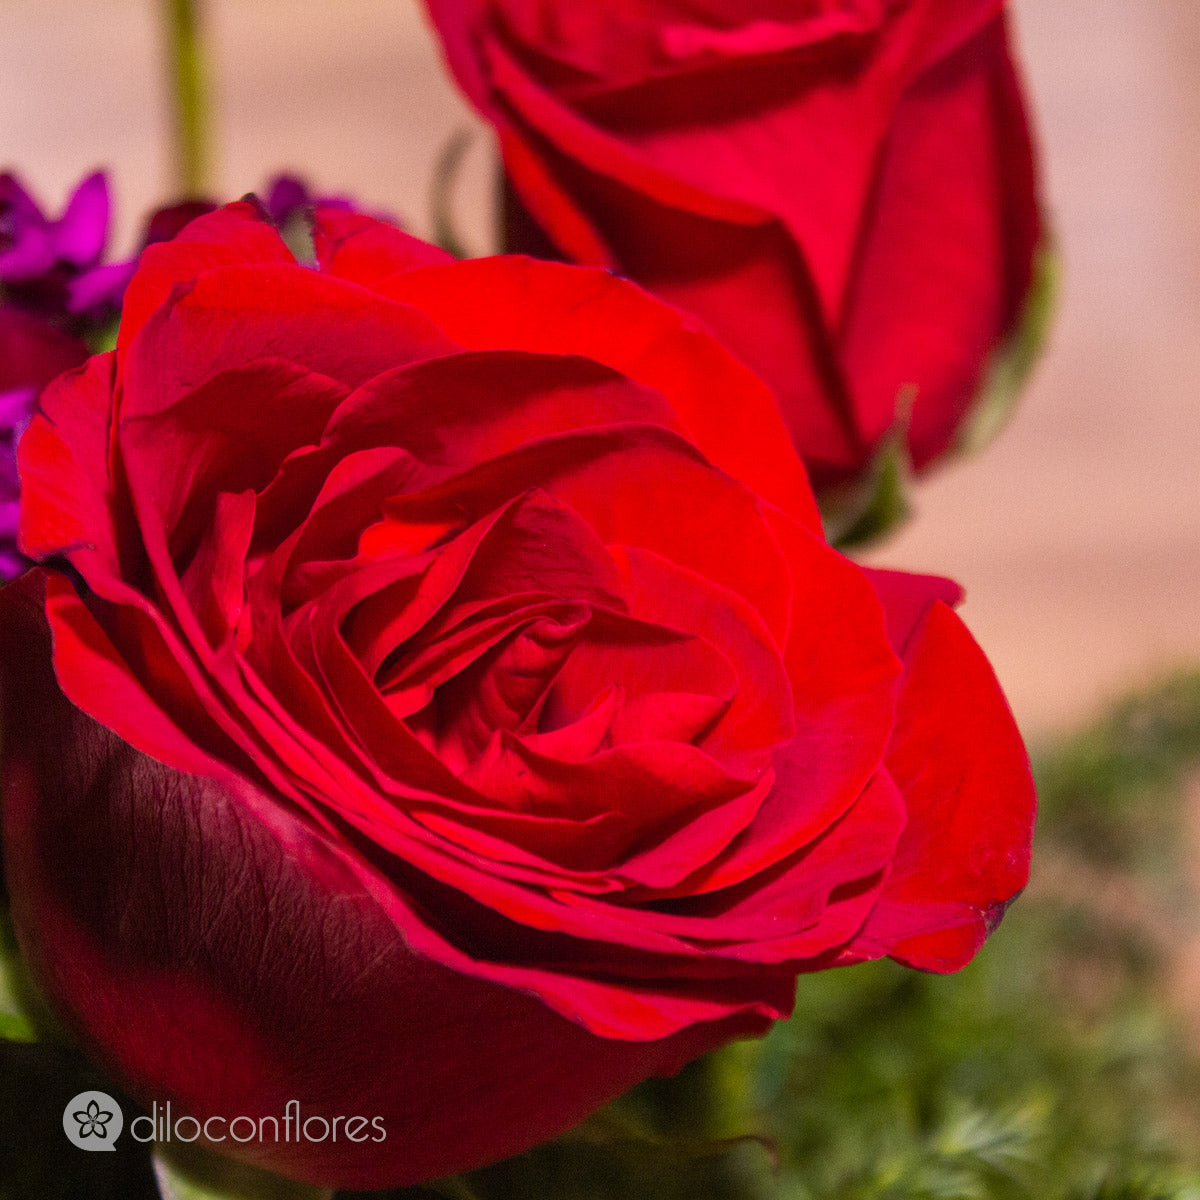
[(452, 715), (844, 193)]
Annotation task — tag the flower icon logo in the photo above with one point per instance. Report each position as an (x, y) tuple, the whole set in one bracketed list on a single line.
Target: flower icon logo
[(92, 1121)]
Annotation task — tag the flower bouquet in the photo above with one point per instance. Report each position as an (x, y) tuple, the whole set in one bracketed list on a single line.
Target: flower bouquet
[(436, 698)]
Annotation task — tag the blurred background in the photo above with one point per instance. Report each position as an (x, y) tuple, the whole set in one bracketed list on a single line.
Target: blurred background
[(1077, 536), (1065, 1062)]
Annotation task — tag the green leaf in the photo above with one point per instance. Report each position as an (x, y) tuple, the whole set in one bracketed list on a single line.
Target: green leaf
[(876, 504), (1009, 367), (22, 1013), (13, 1026), (297, 234), (441, 193), (100, 341), (192, 1173)]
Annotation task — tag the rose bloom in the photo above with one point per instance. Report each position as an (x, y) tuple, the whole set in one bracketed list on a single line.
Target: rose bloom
[(843, 191), (434, 705)]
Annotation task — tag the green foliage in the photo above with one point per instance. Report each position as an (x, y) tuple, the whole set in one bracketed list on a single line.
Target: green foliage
[(186, 1172), (15, 1025), (986, 1084), (1107, 791)]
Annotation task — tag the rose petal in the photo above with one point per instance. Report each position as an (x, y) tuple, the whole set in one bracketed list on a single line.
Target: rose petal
[(958, 760), (545, 308)]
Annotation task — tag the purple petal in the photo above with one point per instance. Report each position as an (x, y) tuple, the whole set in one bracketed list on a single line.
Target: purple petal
[(82, 231), (10, 513), (16, 404), (286, 194), (12, 563), (18, 208), (100, 286), (31, 253)]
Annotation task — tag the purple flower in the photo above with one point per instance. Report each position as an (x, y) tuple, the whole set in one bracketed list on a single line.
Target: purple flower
[(39, 257), (32, 352), (103, 287), (55, 290), (288, 196), (41, 260)]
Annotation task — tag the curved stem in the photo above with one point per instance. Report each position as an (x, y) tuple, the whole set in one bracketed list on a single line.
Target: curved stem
[(190, 93), (441, 193)]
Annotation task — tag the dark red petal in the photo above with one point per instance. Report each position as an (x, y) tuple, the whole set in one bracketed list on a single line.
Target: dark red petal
[(488, 403), (362, 249), (214, 582), (844, 680), (744, 281), (505, 687), (794, 136), (270, 974), (230, 434), (630, 41), (803, 907), (133, 674), (771, 175), (637, 485), (33, 351)]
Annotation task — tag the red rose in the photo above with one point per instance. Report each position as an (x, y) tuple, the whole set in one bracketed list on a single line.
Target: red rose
[(451, 716), (842, 189)]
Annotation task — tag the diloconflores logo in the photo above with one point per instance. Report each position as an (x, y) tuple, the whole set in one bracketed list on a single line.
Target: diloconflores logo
[(93, 1121)]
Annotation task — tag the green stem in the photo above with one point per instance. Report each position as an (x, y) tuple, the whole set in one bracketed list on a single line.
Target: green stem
[(189, 89), (441, 193)]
